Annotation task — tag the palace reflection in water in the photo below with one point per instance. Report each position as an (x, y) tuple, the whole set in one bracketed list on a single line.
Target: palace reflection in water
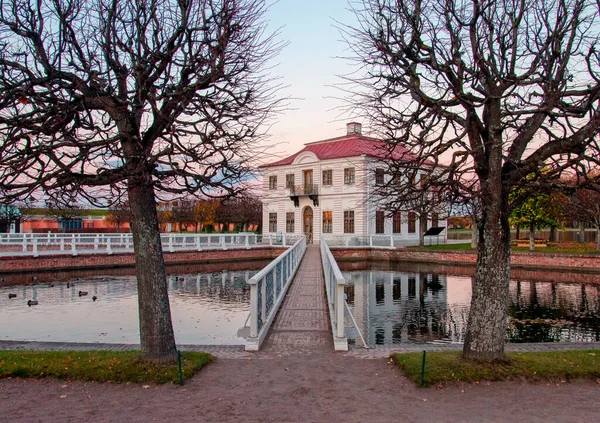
[(392, 306)]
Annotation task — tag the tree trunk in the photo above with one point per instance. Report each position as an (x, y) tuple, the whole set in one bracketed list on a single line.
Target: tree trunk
[(486, 329), (552, 234), (581, 232), (531, 237), (518, 234), (422, 226), (488, 316), (474, 235), (156, 329)]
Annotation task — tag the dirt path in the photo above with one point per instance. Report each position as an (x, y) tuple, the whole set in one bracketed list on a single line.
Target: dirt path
[(296, 388)]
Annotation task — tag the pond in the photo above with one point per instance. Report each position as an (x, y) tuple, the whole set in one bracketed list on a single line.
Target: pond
[(208, 307), (399, 303)]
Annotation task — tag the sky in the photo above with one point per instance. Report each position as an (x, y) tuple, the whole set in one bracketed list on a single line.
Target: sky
[(308, 66)]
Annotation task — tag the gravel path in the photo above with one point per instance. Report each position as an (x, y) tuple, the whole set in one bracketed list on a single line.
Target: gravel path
[(297, 388)]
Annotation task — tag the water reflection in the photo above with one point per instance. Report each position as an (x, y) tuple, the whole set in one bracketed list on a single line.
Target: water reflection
[(392, 306), (207, 308)]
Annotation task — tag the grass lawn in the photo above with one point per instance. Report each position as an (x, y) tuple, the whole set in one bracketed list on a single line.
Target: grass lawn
[(98, 366), (452, 247), (445, 367), (572, 248)]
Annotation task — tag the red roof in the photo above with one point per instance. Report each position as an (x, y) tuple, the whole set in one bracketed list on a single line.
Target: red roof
[(353, 145)]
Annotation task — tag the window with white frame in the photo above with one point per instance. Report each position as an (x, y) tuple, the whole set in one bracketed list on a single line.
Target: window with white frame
[(289, 181), (379, 222), (412, 222), (327, 222), (397, 223), (349, 221), (272, 222), (328, 177), (379, 177), (289, 222), (273, 182), (349, 175)]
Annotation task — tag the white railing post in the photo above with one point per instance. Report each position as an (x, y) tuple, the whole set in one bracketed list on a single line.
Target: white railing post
[(284, 240), (73, 246), (108, 245), (370, 240), (223, 246), (171, 249), (253, 308), (62, 244), (96, 241), (263, 308), (339, 294), (347, 239), (391, 241), (247, 241), (35, 247), (25, 243)]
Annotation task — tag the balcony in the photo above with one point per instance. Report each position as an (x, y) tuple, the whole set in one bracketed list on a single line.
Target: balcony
[(311, 191)]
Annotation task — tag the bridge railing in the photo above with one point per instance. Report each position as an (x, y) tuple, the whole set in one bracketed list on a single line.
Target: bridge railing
[(267, 290), (334, 284), (88, 243)]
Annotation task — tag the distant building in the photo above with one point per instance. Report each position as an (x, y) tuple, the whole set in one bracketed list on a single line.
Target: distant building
[(326, 189)]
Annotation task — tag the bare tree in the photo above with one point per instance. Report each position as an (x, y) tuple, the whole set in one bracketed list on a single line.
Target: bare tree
[(182, 212), (102, 98), (118, 214), (584, 206), (242, 210), (497, 91)]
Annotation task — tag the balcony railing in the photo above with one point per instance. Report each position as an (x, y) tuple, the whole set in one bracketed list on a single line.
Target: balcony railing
[(304, 190), (297, 191)]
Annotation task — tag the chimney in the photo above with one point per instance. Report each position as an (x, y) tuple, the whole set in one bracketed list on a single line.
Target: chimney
[(354, 128)]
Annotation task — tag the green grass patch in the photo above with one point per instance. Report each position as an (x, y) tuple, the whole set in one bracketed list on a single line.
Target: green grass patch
[(98, 366), (572, 249), (452, 247), (448, 367)]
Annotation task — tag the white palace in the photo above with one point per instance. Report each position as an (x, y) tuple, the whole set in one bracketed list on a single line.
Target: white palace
[(326, 190)]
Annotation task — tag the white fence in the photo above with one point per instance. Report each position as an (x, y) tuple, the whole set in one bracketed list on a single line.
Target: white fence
[(334, 284), (75, 244), (267, 290), (379, 241)]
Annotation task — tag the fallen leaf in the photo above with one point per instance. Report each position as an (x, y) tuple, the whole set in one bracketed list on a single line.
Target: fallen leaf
[(63, 396), (424, 399), (145, 386)]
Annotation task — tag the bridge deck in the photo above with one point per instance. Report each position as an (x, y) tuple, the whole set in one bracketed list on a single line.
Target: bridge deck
[(302, 323)]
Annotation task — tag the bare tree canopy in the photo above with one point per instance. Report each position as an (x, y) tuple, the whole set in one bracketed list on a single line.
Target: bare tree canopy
[(97, 92), (501, 93), (141, 97)]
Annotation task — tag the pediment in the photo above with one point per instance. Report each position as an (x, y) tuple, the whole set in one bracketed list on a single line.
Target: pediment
[(306, 157)]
